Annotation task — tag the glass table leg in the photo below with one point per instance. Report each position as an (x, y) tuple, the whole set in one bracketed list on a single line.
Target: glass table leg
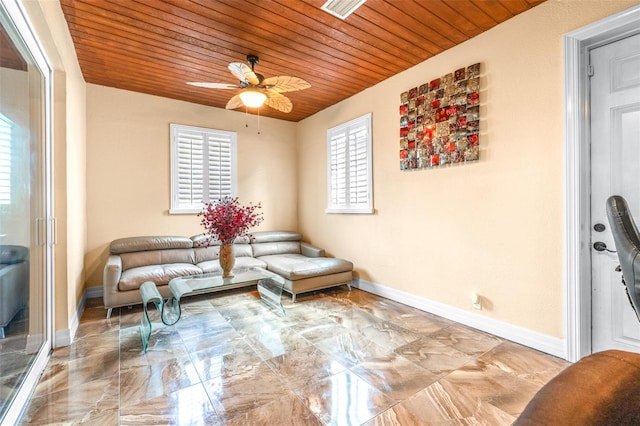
[(149, 293), (171, 311), (271, 294)]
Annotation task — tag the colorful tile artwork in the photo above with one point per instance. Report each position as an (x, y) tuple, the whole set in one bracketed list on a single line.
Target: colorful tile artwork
[(439, 121)]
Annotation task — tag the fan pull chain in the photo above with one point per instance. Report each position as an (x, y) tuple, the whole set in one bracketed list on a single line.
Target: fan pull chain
[(246, 118)]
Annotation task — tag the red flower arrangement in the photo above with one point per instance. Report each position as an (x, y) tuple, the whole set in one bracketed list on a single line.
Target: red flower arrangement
[(226, 220)]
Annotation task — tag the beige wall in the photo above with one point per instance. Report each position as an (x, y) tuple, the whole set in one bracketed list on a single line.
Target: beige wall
[(128, 168), (494, 227)]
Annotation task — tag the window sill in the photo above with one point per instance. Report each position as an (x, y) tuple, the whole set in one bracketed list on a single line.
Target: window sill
[(184, 211), (349, 211)]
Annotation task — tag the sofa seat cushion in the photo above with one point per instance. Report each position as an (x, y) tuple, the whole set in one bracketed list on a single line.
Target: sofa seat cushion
[(131, 279), (210, 266), (294, 266)]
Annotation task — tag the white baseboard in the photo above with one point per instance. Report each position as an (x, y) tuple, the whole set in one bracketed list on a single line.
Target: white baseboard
[(533, 339), (65, 336), (93, 292), (34, 343)]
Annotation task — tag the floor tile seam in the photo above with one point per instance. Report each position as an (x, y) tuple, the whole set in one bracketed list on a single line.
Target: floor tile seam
[(307, 407), (40, 394), (531, 381), (274, 401), (331, 359), (279, 375), (119, 370), (68, 387), (217, 402), (82, 339), (478, 356), (391, 407), (485, 399), (368, 382), (439, 375), (395, 403), (517, 374), (470, 362), (479, 401)]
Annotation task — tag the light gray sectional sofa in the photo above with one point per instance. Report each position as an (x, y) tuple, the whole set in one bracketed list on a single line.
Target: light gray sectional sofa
[(134, 260)]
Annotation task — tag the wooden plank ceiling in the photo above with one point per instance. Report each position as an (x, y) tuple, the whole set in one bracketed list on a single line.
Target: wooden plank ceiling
[(155, 47)]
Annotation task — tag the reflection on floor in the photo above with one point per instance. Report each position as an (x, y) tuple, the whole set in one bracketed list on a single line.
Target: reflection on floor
[(14, 361), (344, 358)]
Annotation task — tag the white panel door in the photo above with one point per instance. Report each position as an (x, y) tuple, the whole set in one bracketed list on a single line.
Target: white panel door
[(615, 169)]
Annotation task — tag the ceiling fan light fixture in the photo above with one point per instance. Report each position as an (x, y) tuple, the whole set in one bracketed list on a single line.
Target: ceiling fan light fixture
[(253, 98)]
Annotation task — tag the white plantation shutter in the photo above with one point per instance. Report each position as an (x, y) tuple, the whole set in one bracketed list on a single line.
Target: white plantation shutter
[(349, 167), (202, 167)]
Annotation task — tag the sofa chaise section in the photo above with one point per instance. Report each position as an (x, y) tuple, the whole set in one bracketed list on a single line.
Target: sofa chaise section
[(304, 267)]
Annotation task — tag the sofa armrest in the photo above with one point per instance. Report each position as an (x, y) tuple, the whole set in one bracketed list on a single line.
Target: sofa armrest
[(600, 389), (111, 278), (311, 251)]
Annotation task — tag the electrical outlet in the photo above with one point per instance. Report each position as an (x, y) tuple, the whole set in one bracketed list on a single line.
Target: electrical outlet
[(476, 301)]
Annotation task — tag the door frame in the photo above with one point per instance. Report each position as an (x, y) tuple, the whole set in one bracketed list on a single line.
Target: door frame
[(17, 14), (577, 220)]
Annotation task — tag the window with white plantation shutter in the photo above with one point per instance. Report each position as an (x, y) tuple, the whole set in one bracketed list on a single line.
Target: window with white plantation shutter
[(203, 167), (349, 167)]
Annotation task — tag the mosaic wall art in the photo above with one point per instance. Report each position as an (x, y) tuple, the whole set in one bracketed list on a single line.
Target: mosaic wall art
[(440, 120)]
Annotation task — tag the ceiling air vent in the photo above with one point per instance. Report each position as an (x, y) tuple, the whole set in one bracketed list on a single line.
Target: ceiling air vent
[(341, 8)]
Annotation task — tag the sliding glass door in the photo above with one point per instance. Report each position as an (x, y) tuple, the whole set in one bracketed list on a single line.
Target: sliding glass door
[(25, 212)]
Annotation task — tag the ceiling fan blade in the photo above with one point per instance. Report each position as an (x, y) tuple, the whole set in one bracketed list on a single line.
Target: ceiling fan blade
[(243, 73), (213, 85), (285, 83), (234, 102), (277, 101)]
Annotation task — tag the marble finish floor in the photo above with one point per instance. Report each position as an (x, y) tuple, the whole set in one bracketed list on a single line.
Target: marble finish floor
[(15, 360), (337, 358)]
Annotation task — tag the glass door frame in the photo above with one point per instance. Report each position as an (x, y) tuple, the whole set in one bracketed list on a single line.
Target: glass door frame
[(16, 13)]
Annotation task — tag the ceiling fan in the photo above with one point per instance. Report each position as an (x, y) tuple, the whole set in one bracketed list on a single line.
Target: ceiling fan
[(257, 90)]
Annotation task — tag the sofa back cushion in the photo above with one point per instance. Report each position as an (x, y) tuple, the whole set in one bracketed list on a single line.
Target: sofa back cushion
[(157, 257), (206, 240), (204, 254), (275, 242), (275, 236), (282, 247), (133, 244), (208, 248)]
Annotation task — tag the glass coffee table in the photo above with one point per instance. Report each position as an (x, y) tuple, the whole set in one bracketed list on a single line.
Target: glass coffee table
[(270, 287)]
